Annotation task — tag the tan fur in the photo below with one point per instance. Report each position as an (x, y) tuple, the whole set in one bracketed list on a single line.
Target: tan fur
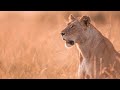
[(97, 54)]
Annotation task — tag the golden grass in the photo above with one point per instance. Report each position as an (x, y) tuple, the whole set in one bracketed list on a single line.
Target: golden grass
[(31, 45)]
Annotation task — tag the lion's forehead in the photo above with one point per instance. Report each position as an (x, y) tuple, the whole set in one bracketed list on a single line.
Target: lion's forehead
[(75, 22), (77, 27)]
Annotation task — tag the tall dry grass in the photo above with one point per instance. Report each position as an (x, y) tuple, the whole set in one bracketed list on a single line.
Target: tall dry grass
[(31, 45)]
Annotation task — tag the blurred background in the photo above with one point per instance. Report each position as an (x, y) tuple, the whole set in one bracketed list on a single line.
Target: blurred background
[(31, 45)]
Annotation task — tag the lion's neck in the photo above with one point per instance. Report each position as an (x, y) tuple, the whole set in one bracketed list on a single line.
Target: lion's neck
[(87, 48)]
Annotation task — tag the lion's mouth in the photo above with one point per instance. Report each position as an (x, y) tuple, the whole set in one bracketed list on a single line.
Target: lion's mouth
[(70, 42)]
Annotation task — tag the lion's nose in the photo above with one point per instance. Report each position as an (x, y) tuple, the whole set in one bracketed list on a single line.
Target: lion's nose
[(62, 33)]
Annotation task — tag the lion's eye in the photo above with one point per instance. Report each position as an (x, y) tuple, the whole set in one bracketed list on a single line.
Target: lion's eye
[(72, 26)]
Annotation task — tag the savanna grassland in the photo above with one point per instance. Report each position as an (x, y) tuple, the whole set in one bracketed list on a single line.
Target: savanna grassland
[(31, 45)]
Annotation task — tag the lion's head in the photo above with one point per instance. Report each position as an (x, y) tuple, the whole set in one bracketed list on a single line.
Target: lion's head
[(76, 30)]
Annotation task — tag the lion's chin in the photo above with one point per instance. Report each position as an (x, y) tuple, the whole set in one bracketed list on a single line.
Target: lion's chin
[(69, 43)]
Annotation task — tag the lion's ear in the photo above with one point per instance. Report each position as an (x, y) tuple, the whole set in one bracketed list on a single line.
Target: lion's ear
[(71, 18), (86, 20)]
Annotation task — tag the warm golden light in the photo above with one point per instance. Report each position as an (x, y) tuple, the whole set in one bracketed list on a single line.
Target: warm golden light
[(31, 45)]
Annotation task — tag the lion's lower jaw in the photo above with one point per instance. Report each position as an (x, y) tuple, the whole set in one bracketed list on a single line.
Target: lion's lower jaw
[(68, 45)]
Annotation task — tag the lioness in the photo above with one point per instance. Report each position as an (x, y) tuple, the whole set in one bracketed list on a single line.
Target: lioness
[(98, 58)]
